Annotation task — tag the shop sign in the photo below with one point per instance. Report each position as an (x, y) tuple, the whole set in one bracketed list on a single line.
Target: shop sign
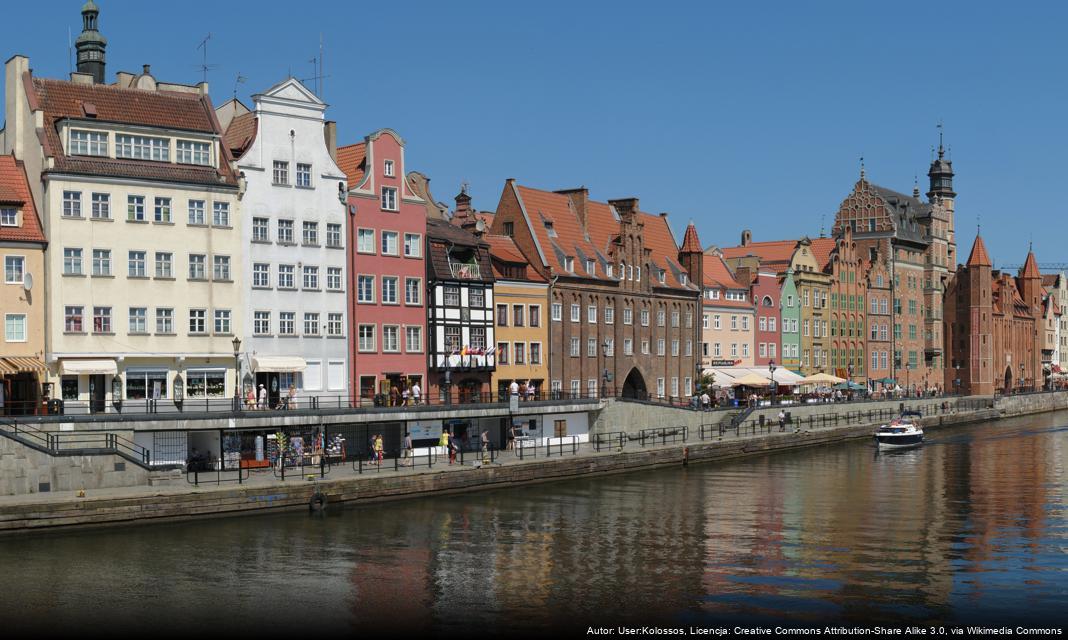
[(425, 429)]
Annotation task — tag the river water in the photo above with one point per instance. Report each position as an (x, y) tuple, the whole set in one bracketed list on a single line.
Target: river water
[(971, 528)]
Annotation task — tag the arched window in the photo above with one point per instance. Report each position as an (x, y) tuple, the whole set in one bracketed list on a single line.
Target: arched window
[(768, 302)]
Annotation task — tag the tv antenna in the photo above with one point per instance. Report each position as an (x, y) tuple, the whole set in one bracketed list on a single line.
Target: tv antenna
[(317, 76), (240, 79), (204, 66)]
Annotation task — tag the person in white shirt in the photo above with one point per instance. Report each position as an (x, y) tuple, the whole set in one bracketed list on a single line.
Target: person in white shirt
[(513, 389), (416, 391), (262, 397)]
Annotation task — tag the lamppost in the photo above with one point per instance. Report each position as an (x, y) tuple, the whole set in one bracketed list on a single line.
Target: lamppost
[(604, 374), (771, 370), (237, 372)]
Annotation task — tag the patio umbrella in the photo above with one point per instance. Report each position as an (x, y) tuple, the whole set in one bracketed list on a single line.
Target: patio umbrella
[(850, 386), (751, 380), (821, 378)]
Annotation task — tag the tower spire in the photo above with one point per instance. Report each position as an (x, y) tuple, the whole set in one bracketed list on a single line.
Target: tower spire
[(90, 44)]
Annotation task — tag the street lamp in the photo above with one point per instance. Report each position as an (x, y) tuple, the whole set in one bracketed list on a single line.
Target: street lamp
[(771, 370), (237, 372), (604, 373)]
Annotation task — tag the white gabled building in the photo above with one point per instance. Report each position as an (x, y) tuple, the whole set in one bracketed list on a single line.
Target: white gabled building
[(293, 231)]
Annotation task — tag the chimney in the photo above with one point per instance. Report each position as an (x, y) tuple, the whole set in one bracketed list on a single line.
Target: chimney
[(580, 199), (146, 69), (747, 238), (330, 134), (15, 107), (463, 206), (627, 208), (77, 77), (124, 79)]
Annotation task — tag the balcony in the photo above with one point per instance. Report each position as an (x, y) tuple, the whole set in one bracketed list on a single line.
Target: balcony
[(465, 270)]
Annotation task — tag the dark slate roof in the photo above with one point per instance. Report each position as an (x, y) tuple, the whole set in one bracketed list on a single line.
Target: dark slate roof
[(443, 236), (907, 212)]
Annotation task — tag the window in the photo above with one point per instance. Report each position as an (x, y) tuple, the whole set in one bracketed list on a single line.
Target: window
[(745, 323), (478, 339), (389, 243), (745, 350), (628, 347), (220, 268), (222, 322), (674, 387), (101, 319), (609, 315), (734, 349), (535, 353), (387, 168), (575, 389), (142, 148), (260, 230), (303, 175), (574, 347), (198, 321), (451, 296), (280, 175), (660, 317), (101, 262), (389, 198), (413, 288), (452, 340), (557, 311), (261, 323), (502, 315), (190, 152), (675, 320), (333, 324), (534, 315), (645, 317), (72, 317), (196, 212), (206, 384), (196, 266), (476, 298), (333, 235), (576, 313), (220, 214), (413, 245), (101, 207), (72, 262), (365, 289), (286, 276), (763, 323), (389, 291), (365, 240), (627, 316), (15, 327), (88, 143), (660, 347), (734, 323), (72, 204), (261, 275), (311, 278), (716, 322), (391, 338), (660, 387), (675, 348), (413, 339), (590, 266), (9, 217), (509, 230), (14, 267), (137, 264), (135, 208), (333, 278), (591, 347), (164, 321), (285, 232), (287, 321), (645, 347)]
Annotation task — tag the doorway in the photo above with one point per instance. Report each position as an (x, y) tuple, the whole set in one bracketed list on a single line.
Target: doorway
[(270, 382), (97, 394), (1008, 380), (634, 385)]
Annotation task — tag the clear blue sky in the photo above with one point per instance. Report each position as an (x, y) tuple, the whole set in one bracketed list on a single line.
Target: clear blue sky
[(732, 114)]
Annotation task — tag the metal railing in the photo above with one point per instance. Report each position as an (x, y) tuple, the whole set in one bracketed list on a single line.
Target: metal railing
[(72, 443), (663, 434), (197, 476), (610, 440)]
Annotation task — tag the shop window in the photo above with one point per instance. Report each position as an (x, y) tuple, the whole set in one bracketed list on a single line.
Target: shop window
[(206, 384)]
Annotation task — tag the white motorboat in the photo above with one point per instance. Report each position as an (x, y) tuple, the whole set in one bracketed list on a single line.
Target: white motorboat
[(905, 431)]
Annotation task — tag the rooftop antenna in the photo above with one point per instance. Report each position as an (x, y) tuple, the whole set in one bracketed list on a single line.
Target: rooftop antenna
[(204, 66), (822, 216), (317, 71), (940, 127), (240, 79), (70, 52)]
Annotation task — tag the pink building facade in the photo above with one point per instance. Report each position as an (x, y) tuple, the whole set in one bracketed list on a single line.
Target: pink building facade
[(765, 294), (387, 272)]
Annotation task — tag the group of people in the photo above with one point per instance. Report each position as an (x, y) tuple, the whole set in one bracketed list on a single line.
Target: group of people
[(524, 391), (258, 399), (410, 394), (376, 449)]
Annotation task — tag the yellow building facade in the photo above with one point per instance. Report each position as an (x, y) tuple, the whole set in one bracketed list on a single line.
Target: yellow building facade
[(520, 314)]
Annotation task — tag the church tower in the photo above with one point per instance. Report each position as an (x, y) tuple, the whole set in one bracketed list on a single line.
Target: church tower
[(941, 181), (90, 44)]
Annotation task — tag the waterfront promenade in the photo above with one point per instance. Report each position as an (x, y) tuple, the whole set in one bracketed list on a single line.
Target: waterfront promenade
[(217, 493)]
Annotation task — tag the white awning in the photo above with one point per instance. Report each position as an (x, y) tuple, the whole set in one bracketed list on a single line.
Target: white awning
[(726, 376), (278, 364), (89, 367)]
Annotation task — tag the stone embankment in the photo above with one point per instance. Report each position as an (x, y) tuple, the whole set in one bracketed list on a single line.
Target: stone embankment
[(41, 512)]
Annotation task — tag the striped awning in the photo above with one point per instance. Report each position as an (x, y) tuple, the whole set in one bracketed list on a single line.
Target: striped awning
[(5, 368), (23, 365)]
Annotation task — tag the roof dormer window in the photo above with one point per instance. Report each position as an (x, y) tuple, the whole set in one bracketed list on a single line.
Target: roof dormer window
[(88, 143), (662, 276), (9, 217), (549, 229), (591, 267), (142, 148), (569, 264), (387, 169), (682, 279)]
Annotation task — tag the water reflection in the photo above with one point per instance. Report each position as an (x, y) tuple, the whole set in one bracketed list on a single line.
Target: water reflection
[(971, 526)]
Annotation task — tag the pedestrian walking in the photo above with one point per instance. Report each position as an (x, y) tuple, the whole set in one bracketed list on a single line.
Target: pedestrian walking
[(452, 448), (530, 391), (485, 443), (250, 399), (404, 396), (782, 420), (406, 450), (416, 392), (379, 449)]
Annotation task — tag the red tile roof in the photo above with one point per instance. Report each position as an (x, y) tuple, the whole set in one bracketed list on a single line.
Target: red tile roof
[(978, 257), (15, 190), (60, 100), (821, 250), (1030, 268), (352, 159), (690, 242), (776, 252), (547, 207), (503, 248), (240, 134), (665, 251), (1050, 279), (717, 274)]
